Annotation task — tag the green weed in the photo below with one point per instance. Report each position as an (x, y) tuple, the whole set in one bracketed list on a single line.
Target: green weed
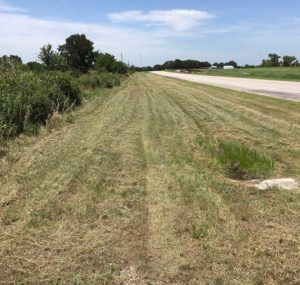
[(242, 162), (239, 161)]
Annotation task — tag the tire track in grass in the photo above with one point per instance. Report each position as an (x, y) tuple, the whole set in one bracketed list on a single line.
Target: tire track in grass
[(171, 243)]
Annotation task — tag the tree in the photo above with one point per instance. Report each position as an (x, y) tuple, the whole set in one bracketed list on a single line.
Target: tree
[(119, 67), (289, 61), (15, 59), (232, 63), (185, 64), (249, 66), (10, 61), (78, 52), (104, 62), (274, 59), (107, 62), (35, 66), (46, 56), (51, 59), (157, 67), (266, 63)]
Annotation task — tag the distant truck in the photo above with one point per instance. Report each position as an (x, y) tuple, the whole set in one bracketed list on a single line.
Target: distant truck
[(228, 67)]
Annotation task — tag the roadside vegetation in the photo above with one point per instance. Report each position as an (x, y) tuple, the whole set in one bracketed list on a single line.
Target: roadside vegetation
[(29, 99), (139, 190), (31, 93)]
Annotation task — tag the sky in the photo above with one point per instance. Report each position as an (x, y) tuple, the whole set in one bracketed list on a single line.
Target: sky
[(152, 32)]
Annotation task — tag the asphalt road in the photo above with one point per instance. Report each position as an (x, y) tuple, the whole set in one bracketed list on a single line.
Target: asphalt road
[(281, 89)]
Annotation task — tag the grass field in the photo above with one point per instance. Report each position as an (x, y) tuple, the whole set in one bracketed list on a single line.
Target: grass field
[(275, 73), (145, 184)]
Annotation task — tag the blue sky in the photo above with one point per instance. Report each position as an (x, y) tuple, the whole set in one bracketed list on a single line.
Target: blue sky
[(213, 30)]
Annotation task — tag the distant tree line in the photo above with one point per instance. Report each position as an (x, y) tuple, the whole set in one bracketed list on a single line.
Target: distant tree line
[(274, 61), (222, 64), (182, 64), (76, 54)]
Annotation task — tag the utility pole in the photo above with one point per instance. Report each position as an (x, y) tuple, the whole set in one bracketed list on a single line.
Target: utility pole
[(141, 58), (121, 56)]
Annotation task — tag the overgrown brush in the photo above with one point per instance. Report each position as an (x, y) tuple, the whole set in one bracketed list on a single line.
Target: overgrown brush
[(28, 99), (102, 80)]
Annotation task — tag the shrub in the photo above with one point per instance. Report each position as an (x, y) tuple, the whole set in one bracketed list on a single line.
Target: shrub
[(102, 80), (29, 99)]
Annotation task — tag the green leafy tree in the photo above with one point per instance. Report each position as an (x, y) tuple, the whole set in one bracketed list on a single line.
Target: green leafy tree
[(232, 63), (266, 63), (15, 59), (104, 62), (274, 59), (289, 61), (10, 61), (78, 52), (51, 59), (35, 66), (119, 67), (107, 62), (46, 56), (158, 67)]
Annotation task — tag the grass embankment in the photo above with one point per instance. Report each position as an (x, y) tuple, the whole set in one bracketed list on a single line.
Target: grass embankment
[(275, 73), (129, 194)]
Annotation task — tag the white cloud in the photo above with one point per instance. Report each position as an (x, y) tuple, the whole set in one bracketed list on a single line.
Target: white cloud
[(177, 19), (25, 35), (7, 8)]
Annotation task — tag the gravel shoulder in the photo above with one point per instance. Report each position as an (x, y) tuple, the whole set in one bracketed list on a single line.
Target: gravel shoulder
[(279, 89)]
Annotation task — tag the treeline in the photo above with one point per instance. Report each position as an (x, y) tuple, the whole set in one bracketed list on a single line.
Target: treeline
[(31, 93), (273, 60), (185, 64), (182, 64), (77, 54)]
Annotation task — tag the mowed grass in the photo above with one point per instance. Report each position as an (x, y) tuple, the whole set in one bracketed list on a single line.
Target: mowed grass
[(275, 73), (136, 189)]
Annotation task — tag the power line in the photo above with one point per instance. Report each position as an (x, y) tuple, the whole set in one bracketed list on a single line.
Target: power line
[(65, 11), (75, 8), (78, 11), (141, 58)]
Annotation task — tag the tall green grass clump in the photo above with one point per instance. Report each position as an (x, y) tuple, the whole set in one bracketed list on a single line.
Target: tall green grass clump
[(242, 162), (238, 160), (102, 80), (28, 99)]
